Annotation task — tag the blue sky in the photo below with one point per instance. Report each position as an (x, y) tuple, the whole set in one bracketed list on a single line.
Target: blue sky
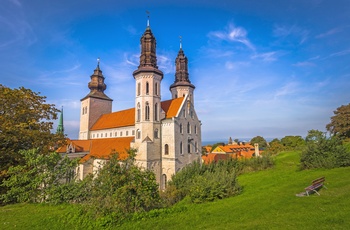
[(269, 68)]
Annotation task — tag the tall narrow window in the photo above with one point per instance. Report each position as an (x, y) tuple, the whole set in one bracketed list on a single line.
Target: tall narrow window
[(181, 147), (180, 127), (164, 181), (147, 112), (138, 89), (138, 112), (156, 133), (188, 148), (147, 88), (156, 89), (156, 112), (166, 149), (138, 134), (188, 127)]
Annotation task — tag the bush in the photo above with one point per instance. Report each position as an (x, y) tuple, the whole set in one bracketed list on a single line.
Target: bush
[(325, 153)]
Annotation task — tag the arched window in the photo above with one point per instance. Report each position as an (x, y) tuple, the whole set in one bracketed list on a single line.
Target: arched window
[(138, 112), (164, 181), (138, 134), (138, 89), (188, 127), (156, 112), (147, 88), (188, 148), (156, 89), (166, 149), (180, 127), (181, 147), (156, 133), (147, 112)]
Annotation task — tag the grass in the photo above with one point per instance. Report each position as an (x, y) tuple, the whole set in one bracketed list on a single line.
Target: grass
[(268, 201)]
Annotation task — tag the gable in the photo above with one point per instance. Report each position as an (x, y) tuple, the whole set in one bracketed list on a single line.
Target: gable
[(172, 107)]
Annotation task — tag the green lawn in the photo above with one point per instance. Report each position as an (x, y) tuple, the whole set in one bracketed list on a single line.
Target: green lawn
[(268, 201)]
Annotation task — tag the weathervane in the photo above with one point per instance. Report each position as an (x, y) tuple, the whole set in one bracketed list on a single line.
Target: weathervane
[(148, 13), (98, 61)]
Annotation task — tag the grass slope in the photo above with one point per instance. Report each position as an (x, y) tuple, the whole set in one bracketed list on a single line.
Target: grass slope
[(268, 201)]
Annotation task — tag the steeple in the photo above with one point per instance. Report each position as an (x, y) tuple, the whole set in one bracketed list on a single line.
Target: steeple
[(60, 128), (181, 75), (148, 42), (97, 84)]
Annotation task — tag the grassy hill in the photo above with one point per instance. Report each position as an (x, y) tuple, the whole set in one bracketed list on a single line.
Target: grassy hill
[(268, 201)]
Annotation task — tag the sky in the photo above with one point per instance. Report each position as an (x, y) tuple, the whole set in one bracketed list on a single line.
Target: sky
[(260, 67)]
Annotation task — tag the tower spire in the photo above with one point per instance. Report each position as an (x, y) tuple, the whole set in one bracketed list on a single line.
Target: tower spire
[(180, 42), (60, 127), (148, 13)]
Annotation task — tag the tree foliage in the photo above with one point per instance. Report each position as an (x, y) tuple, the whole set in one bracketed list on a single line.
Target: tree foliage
[(324, 152), (293, 142), (40, 179), (340, 122), (25, 123), (260, 140)]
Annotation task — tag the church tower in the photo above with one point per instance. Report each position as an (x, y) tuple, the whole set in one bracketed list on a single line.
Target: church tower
[(182, 85), (94, 104), (147, 106)]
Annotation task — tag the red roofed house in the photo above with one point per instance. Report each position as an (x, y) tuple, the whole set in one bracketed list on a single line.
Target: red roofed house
[(166, 134)]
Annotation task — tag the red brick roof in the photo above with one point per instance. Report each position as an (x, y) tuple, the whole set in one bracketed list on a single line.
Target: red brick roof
[(127, 117)]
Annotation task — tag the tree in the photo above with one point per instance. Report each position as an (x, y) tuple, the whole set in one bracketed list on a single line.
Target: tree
[(275, 146), (314, 136), (340, 122), (25, 123), (260, 140), (292, 142)]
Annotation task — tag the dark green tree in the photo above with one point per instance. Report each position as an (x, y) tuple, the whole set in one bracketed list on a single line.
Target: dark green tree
[(293, 142), (260, 140), (340, 122), (25, 123)]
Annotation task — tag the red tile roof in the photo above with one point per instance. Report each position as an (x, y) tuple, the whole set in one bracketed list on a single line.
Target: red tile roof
[(127, 117), (213, 157)]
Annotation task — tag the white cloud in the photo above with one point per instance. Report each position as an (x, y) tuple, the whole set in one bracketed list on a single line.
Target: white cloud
[(340, 53), (304, 64), (232, 34), (293, 31), (329, 32), (287, 89), (267, 57)]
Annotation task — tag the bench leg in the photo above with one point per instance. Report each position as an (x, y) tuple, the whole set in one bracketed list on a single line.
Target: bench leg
[(316, 192)]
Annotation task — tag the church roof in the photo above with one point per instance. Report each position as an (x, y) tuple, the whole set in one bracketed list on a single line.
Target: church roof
[(127, 117), (100, 148)]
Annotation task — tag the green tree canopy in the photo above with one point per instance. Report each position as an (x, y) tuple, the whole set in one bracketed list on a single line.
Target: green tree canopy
[(340, 122), (292, 142), (260, 140), (25, 123)]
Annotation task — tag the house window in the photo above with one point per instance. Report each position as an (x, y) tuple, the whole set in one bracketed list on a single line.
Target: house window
[(133, 132), (147, 88), (97, 135), (121, 133), (181, 147), (156, 133), (138, 89), (156, 112), (110, 134), (116, 134), (93, 135), (127, 133), (147, 112), (105, 134), (166, 149)]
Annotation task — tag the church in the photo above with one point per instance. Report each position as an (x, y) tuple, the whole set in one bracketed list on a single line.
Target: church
[(165, 134)]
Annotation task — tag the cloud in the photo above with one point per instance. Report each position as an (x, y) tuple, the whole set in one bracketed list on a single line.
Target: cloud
[(234, 65), (287, 89), (232, 34), (304, 64), (268, 56), (329, 32), (291, 32), (340, 53)]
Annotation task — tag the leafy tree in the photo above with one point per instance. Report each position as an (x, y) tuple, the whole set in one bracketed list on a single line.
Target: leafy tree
[(340, 122), (25, 123), (324, 153), (314, 136), (275, 147), (42, 178), (260, 140), (292, 142)]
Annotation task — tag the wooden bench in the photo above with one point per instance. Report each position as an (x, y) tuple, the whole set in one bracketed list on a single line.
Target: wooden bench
[(316, 185)]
